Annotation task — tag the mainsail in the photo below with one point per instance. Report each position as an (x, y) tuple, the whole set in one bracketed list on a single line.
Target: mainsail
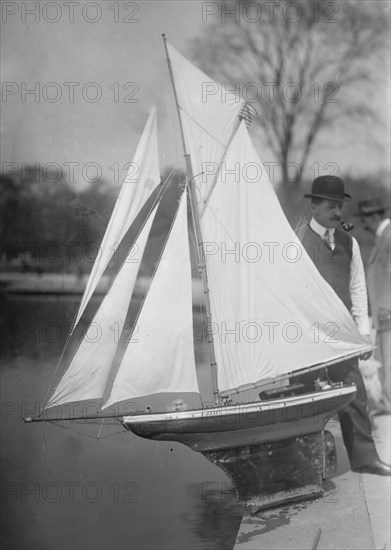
[(272, 312)]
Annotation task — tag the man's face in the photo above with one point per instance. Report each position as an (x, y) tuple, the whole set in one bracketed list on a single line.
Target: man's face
[(370, 223), (328, 213)]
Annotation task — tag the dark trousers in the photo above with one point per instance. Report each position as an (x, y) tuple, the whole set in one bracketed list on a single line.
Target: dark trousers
[(354, 419)]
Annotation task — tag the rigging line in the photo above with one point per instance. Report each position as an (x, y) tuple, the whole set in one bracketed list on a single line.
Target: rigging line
[(72, 430), (101, 426), (44, 445), (223, 156), (123, 431), (202, 128), (262, 382), (117, 361), (175, 128), (154, 205)]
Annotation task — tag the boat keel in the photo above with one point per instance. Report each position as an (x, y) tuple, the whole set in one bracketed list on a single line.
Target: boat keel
[(277, 472)]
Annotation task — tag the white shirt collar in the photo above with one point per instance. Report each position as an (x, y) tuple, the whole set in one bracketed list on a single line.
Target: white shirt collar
[(319, 229), (381, 227)]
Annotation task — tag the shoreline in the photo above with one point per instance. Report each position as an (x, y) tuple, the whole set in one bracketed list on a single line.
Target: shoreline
[(59, 284)]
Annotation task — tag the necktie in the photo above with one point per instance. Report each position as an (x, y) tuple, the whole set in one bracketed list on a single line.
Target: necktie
[(328, 241)]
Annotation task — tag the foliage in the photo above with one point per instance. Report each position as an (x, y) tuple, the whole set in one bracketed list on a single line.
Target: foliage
[(51, 227), (45, 221), (305, 66)]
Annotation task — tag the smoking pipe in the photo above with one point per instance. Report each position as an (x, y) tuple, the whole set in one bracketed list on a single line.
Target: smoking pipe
[(347, 226)]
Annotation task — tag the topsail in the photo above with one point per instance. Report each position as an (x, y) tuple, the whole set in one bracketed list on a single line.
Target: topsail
[(209, 115)]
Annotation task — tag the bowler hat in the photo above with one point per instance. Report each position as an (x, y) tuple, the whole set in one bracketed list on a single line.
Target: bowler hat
[(369, 207), (328, 187)]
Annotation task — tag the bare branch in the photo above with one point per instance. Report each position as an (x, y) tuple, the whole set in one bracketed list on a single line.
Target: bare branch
[(330, 55)]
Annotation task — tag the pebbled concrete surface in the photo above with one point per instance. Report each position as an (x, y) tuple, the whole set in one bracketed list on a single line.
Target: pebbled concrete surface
[(353, 513)]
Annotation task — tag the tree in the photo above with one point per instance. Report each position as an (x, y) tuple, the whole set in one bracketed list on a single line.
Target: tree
[(304, 65), (42, 216)]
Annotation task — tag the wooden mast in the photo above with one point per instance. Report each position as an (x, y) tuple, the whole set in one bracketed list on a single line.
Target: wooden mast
[(201, 260)]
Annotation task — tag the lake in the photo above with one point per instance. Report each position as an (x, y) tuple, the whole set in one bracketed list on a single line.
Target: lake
[(63, 488)]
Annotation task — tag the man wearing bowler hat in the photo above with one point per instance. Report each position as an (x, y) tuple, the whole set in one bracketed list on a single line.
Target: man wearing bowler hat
[(372, 214), (337, 256)]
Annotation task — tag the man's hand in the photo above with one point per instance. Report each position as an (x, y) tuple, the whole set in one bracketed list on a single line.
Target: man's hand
[(365, 356)]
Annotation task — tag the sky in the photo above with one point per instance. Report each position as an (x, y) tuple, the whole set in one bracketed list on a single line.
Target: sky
[(121, 63), (97, 68)]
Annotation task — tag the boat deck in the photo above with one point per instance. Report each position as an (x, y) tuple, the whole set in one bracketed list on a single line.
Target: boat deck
[(353, 513)]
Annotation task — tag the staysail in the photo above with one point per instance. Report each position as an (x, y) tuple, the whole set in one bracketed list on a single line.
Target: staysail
[(160, 355), (142, 178), (272, 312)]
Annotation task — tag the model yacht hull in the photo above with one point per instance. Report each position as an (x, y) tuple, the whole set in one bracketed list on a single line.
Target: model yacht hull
[(233, 426), (273, 451)]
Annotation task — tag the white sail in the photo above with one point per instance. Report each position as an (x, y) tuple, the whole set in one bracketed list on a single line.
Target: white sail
[(89, 370), (272, 312), (160, 355), (209, 113), (143, 176)]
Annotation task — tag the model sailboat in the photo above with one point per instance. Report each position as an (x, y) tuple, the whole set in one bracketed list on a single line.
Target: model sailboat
[(268, 311)]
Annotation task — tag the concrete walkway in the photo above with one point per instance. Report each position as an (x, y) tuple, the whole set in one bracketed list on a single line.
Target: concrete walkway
[(353, 513)]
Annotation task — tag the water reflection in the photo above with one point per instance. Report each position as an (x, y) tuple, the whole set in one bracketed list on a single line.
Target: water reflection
[(215, 516), (62, 489)]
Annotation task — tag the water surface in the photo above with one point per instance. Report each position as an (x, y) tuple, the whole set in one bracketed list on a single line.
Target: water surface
[(62, 488)]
